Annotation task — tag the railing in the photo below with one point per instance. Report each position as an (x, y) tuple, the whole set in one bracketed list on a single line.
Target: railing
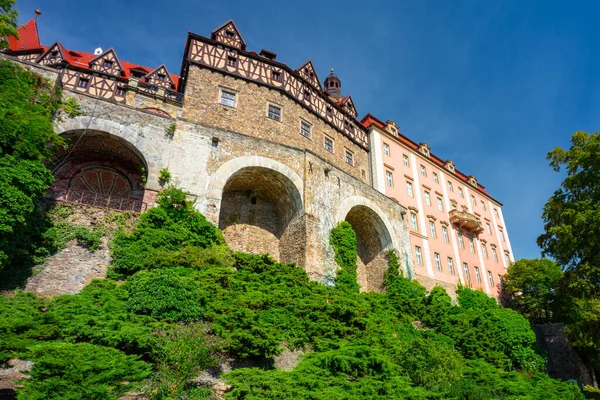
[(156, 90), (96, 200), (466, 220)]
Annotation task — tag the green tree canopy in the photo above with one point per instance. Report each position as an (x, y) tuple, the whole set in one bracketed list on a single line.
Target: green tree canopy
[(8, 22)]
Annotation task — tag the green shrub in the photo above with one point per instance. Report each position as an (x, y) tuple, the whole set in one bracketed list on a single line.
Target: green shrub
[(163, 294), (81, 371), (343, 241), (474, 299), (165, 176), (405, 295)]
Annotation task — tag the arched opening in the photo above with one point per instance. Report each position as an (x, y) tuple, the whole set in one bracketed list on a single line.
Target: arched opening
[(99, 169), (373, 240), (261, 212)]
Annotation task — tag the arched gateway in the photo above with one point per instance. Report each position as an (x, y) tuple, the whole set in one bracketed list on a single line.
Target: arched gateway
[(373, 236), (261, 207)]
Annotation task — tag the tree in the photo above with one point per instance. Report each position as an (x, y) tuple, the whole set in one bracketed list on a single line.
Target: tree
[(28, 104), (572, 215), (8, 22), (531, 287)]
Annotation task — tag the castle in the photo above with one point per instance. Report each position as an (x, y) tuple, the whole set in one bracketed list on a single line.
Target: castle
[(272, 155)]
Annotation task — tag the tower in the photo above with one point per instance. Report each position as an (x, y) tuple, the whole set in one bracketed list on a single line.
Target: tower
[(333, 86)]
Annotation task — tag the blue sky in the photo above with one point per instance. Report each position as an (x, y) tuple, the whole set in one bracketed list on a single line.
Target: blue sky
[(492, 85)]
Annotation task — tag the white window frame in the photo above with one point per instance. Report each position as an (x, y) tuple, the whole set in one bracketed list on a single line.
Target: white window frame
[(467, 273), (386, 149), (490, 278), (409, 189), (277, 106), (423, 170), (494, 253), (483, 205), (489, 228), (451, 265), (389, 178), (473, 201), (450, 186), (427, 198), (502, 235), (471, 245), (484, 250), (405, 160), (438, 261), (351, 158), (436, 179), (332, 144), (461, 193), (440, 204), (419, 255), (445, 234), (414, 222), (304, 123), (477, 274), (432, 229)]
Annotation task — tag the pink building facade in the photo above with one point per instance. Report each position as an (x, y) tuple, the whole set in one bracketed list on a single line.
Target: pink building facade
[(457, 230)]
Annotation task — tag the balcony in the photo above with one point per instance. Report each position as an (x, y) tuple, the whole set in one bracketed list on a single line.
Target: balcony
[(466, 221)]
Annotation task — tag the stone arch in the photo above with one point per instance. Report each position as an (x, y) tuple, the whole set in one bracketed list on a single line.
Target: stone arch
[(260, 207), (100, 169), (374, 237)]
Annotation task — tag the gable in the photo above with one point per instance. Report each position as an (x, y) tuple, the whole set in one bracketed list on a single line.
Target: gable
[(229, 34), (53, 56), (307, 71), (160, 76), (348, 105), (107, 62)]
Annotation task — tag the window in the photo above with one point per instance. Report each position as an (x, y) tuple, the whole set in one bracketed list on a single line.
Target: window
[(477, 276), (229, 34), (423, 170), (389, 178), (419, 255), (432, 229), (502, 235), (436, 179), (489, 228), (466, 268), (386, 149), (461, 240), (427, 198), (506, 258), (494, 254), (107, 64), (305, 128), (471, 245), (440, 204), (329, 112), (438, 261), (276, 75), (161, 77), (120, 91), (328, 143), (500, 282), (349, 157), (460, 193), (445, 234), (231, 61), (83, 83), (274, 112), (496, 212), (483, 205), (227, 98), (450, 186), (490, 279), (405, 160), (409, 189), (413, 221), (307, 95), (473, 200), (451, 265), (484, 250)]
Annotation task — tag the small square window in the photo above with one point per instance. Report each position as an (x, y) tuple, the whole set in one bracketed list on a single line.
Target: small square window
[(54, 53), (389, 178), (227, 98), (120, 91), (274, 112), (276, 75), (305, 128), (329, 111), (328, 143), (386, 149), (307, 95), (229, 34), (161, 77), (83, 83), (349, 157), (231, 61), (107, 64)]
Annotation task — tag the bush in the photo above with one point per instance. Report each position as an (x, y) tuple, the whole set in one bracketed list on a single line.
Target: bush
[(163, 294), (81, 371), (343, 241), (405, 295)]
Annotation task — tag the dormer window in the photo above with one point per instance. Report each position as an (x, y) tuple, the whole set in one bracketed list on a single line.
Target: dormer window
[(107, 64), (136, 74), (229, 34), (54, 53), (231, 61), (161, 77)]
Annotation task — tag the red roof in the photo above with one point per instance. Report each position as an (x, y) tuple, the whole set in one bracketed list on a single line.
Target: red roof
[(29, 40), (28, 37)]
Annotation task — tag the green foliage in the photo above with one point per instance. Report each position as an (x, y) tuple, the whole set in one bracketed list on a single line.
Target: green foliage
[(163, 294), (71, 107), (531, 287), (27, 139), (170, 130), (182, 353), (162, 232), (80, 371), (8, 22), (406, 295), (165, 176), (470, 299), (343, 241)]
